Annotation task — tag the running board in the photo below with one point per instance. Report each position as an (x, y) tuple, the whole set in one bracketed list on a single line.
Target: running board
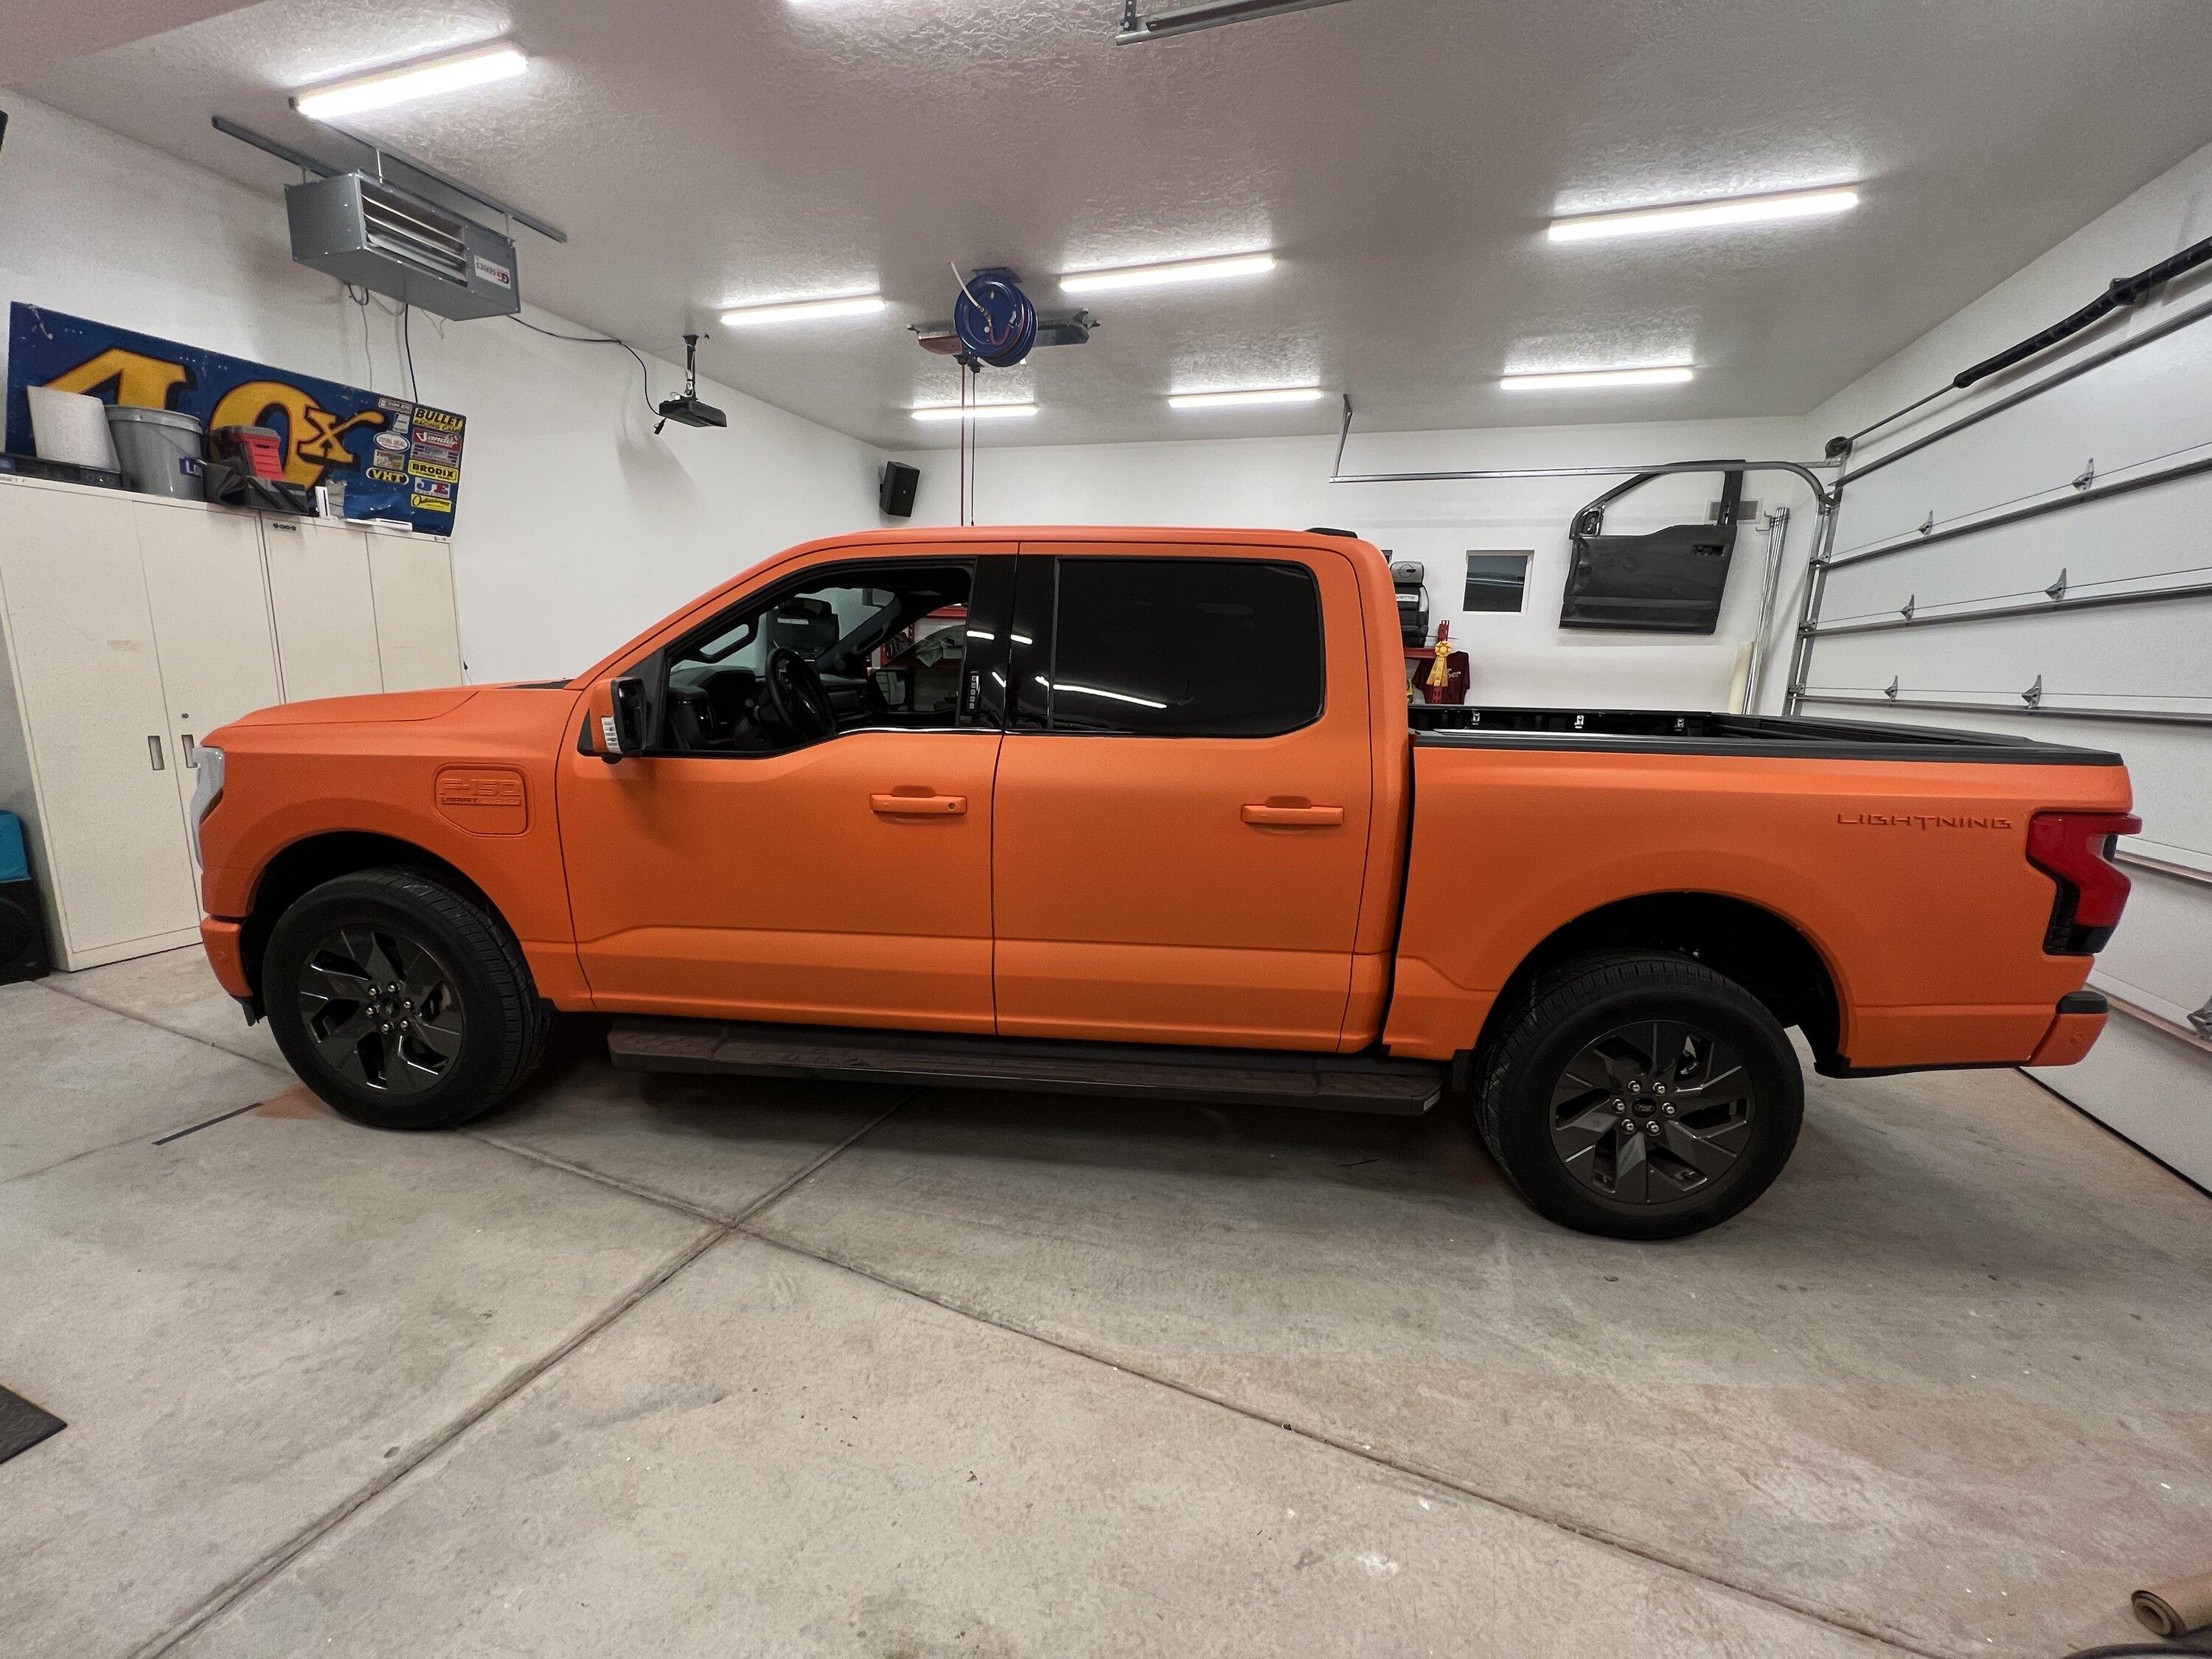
[(1342, 1083)]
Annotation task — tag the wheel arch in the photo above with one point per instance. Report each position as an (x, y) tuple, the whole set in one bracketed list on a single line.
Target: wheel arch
[(307, 863), (1766, 953)]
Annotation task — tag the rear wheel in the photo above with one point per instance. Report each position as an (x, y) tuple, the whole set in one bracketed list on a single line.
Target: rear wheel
[(402, 1003), (1641, 1095)]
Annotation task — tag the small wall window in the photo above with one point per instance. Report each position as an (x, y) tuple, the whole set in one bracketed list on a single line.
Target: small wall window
[(1495, 581)]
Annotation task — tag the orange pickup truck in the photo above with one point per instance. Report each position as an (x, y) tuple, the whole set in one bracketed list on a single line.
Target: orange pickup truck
[(1146, 812)]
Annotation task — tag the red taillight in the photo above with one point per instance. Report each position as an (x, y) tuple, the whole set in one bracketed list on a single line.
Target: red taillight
[(2074, 850)]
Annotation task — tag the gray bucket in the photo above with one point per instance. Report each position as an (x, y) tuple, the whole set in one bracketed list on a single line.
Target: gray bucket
[(161, 451)]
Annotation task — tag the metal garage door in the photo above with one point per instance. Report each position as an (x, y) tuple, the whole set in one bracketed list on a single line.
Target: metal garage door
[(2042, 563)]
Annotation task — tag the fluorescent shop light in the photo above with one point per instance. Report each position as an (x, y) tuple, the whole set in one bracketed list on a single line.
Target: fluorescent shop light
[(974, 411), (1202, 15), (1180, 271), (1594, 377), (804, 310), (399, 86), (1699, 215), (1272, 394)]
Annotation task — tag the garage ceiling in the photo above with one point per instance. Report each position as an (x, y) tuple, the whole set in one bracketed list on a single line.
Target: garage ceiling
[(1400, 157)]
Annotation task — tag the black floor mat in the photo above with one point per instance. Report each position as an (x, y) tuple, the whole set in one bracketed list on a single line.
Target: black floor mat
[(22, 1425)]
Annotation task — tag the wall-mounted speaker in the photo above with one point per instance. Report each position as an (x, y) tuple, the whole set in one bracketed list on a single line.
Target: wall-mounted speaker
[(23, 917), (896, 492)]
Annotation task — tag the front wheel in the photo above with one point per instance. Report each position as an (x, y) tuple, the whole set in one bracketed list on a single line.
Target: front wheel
[(402, 1003), (1641, 1095)]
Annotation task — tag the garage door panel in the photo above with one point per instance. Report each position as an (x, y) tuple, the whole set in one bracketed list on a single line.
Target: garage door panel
[(2110, 545), (2092, 657), (2157, 957), (2148, 403)]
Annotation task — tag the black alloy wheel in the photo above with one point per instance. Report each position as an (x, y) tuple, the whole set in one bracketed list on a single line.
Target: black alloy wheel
[(1652, 1112), (1637, 1094), (401, 998), (383, 1010)]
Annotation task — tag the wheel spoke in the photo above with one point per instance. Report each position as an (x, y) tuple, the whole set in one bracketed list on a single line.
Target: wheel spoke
[(1701, 1152), (1584, 1130), (442, 1036), (344, 1034), (1672, 1115), (381, 1009), (1632, 1171)]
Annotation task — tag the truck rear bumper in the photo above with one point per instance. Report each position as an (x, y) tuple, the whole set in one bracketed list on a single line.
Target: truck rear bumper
[(2081, 1020)]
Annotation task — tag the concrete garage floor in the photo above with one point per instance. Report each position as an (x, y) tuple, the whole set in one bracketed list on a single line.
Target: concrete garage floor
[(651, 1365)]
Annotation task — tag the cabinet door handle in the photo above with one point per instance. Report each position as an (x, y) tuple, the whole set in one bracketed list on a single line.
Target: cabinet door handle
[(192, 755), (154, 752), (919, 806), (1293, 818)]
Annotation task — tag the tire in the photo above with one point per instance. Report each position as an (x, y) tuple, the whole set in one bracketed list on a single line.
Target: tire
[(1628, 1038), (402, 1003)]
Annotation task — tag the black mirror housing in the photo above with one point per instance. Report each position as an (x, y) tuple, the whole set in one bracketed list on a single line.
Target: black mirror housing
[(630, 728)]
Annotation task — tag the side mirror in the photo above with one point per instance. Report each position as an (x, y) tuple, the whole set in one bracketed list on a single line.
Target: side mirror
[(894, 686), (627, 729)]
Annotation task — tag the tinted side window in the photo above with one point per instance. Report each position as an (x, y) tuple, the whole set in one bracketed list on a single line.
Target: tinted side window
[(1185, 647)]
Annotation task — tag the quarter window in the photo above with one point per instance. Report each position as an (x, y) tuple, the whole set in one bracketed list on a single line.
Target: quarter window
[(1183, 648)]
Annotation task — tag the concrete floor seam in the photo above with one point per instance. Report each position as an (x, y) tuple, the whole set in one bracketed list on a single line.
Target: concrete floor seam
[(240, 1585), (644, 1193), (155, 1025), (1835, 1619)]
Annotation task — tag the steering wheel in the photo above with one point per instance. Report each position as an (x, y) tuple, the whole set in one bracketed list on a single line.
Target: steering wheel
[(796, 699)]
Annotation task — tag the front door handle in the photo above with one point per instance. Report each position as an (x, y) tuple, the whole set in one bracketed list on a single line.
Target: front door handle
[(1293, 818), (919, 806)]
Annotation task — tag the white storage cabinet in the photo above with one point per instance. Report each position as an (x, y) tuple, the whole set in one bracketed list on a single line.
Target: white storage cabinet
[(133, 627)]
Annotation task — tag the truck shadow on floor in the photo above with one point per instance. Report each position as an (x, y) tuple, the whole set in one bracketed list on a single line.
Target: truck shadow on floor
[(1874, 1181)]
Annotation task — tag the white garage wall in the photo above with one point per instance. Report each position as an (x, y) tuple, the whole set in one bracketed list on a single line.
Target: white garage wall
[(577, 527), (2152, 1078), (1282, 483)]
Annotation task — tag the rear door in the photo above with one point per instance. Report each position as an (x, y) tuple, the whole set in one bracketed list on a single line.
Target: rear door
[(1182, 796)]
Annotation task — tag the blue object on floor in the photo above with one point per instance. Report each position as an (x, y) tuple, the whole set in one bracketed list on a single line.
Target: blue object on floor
[(14, 867)]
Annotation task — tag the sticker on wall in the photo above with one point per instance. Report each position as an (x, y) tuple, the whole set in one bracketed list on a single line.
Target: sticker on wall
[(383, 448)]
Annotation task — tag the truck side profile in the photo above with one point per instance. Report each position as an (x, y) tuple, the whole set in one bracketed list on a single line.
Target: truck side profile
[(1146, 812)]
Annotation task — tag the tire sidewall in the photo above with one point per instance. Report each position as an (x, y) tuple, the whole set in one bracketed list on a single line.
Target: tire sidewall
[(353, 902), (1523, 1123)]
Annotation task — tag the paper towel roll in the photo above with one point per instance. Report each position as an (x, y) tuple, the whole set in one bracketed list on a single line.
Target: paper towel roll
[(69, 426)]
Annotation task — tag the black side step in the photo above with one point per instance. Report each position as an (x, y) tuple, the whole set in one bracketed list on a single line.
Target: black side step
[(1343, 1083)]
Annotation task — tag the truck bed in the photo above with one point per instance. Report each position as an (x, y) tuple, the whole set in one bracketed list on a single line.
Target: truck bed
[(1696, 731)]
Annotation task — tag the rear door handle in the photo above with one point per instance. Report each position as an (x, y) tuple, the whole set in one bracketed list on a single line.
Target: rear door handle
[(1293, 818), (919, 806)]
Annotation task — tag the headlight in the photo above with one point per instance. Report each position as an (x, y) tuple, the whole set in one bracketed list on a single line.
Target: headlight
[(206, 792)]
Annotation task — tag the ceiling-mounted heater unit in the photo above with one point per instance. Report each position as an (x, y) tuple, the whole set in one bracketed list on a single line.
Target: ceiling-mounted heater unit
[(366, 230)]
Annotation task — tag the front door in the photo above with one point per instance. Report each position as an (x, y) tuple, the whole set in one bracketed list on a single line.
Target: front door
[(811, 842), (1183, 796)]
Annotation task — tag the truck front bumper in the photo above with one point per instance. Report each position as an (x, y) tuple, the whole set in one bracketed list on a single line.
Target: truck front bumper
[(225, 955)]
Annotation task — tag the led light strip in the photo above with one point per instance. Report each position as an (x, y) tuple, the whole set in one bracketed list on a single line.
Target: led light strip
[(801, 310), (1272, 394), (385, 88), (1700, 216), (1673, 375), (1160, 275), (973, 412)]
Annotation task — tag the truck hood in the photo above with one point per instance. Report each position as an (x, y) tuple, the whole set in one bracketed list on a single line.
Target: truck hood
[(384, 708)]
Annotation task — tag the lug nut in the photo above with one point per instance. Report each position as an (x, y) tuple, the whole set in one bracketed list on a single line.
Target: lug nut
[(1668, 1109)]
